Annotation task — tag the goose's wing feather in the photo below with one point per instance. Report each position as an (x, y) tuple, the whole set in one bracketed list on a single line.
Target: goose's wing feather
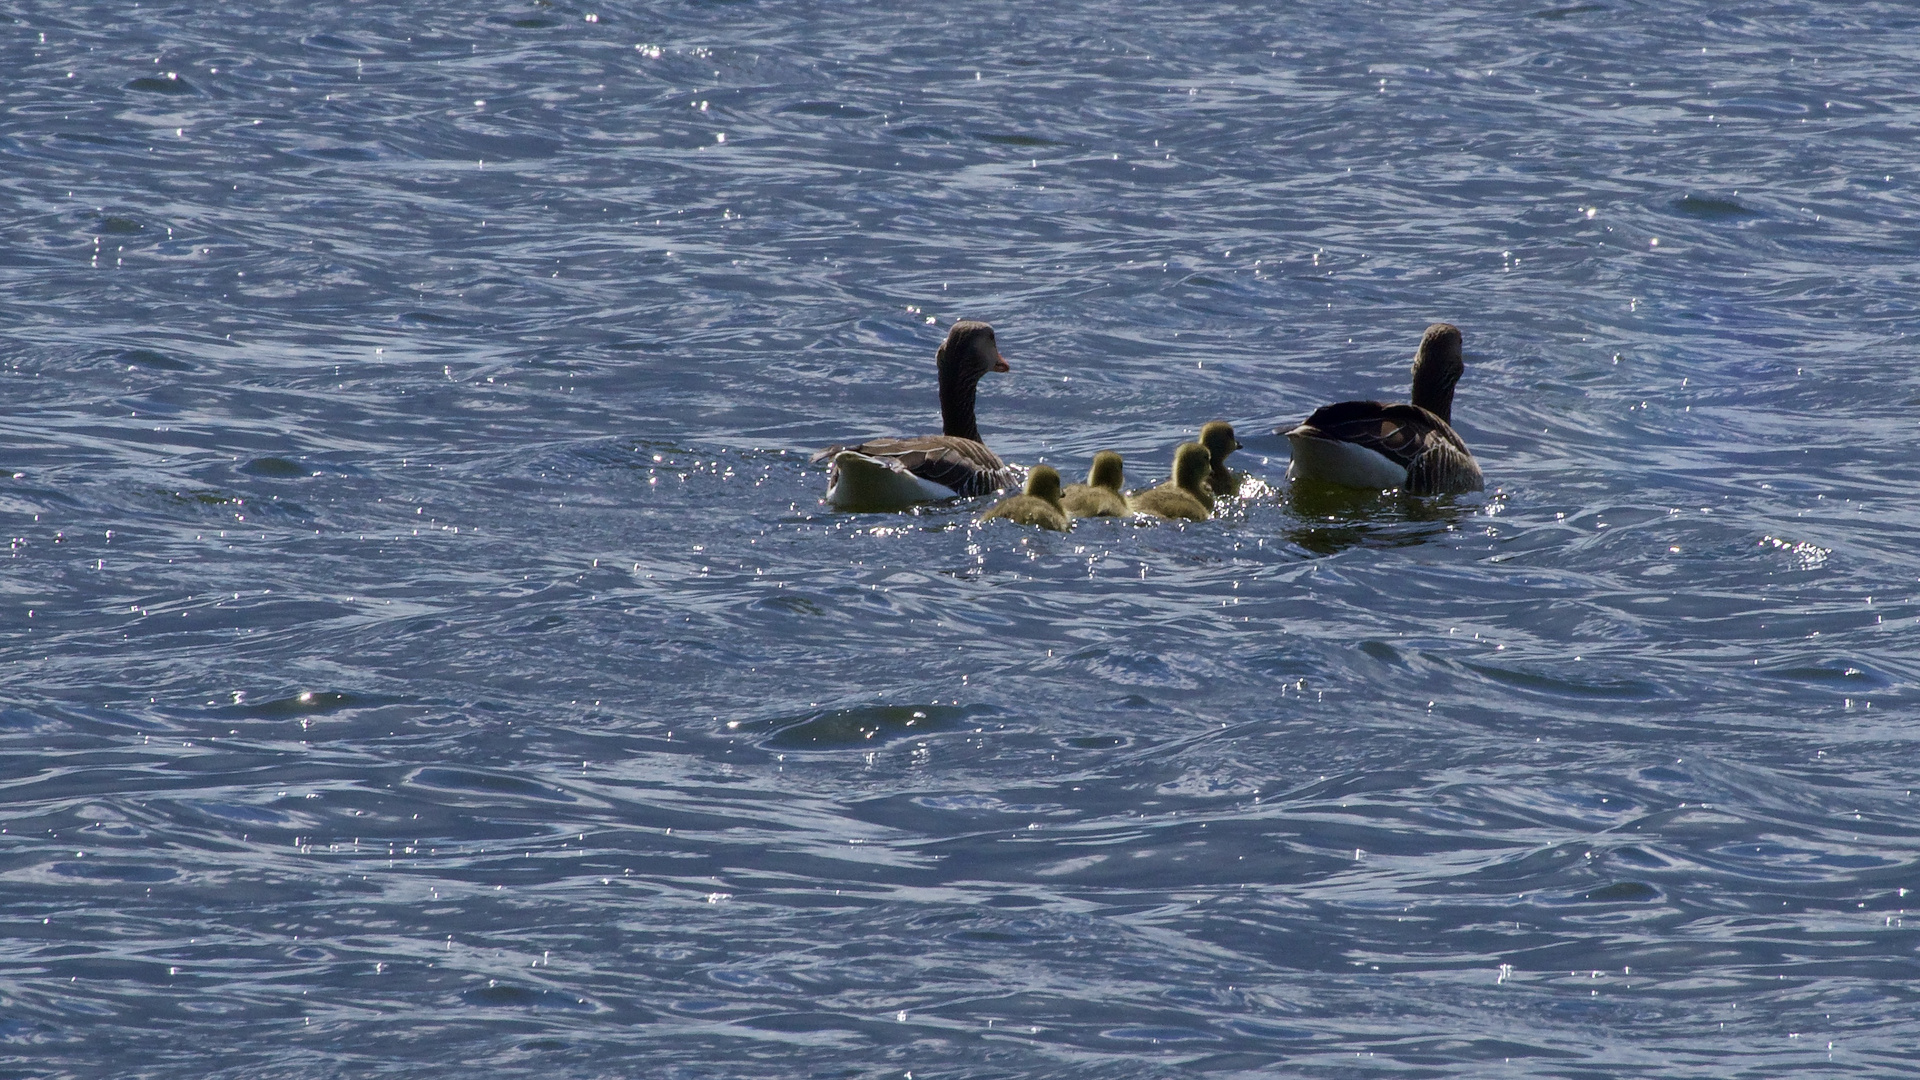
[(1392, 431), (966, 466), (1436, 458)]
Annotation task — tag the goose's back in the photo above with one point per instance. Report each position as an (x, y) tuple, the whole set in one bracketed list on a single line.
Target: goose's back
[(1436, 460), (964, 465)]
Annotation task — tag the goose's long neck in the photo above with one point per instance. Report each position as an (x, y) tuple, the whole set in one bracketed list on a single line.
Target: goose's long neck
[(1436, 368), (956, 407), (1437, 400)]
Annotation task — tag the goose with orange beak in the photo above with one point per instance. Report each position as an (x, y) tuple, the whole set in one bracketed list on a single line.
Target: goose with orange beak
[(897, 473)]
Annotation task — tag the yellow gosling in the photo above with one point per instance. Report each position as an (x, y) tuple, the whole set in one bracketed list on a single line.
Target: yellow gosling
[(1038, 505), (1100, 495), (1184, 496), (1218, 438)]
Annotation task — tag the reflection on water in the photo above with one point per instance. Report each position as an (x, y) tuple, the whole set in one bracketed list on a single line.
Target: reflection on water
[(1327, 519)]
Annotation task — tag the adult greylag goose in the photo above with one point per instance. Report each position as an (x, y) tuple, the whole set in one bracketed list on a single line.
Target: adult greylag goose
[(1100, 495), (1218, 438), (1038, 505), (1187, 494), (1413, 447), (893, 474)]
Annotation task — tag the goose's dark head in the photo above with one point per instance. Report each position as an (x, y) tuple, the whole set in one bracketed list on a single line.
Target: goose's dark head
[(1191, 463), (1218, 438), (1044, 483), (1106, 471), (1436, 368), (969, 352)]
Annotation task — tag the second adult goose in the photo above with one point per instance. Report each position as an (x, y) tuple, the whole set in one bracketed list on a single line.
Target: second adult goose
[(1187, 494), (893, 474), (1100, 495), (1413, 447)]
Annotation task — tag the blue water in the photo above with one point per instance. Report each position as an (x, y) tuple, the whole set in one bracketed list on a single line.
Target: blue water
[(425, 648)]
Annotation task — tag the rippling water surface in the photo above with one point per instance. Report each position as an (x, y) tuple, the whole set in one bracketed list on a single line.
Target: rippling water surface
[(424, 645)]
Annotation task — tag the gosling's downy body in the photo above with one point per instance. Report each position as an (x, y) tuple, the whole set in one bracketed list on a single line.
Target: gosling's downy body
[(1100, 495), (1186, 495), (1218, 438), (893, 474), (1038, 505), (1370, 444)]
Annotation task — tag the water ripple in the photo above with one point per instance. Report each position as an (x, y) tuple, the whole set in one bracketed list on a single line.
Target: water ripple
[(428, 646)]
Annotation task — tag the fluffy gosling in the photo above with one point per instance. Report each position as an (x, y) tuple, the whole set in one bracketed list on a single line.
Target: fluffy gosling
[(1218, 438), (1186, 495), (1038, 505), (1100, 495)]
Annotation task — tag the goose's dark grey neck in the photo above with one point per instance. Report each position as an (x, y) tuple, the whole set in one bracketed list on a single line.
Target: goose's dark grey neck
[(1436, 368), (956, 406), (1435, 396)]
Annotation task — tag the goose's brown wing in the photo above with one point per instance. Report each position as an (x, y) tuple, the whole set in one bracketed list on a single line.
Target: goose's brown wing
[(964, 465), (1436, 458)]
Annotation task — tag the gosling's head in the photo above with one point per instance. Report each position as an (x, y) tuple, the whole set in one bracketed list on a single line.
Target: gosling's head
[(1191, 464), (1218, 438), (1044, 483), (1106, 471)]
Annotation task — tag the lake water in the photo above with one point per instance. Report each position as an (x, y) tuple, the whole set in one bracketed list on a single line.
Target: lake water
[(425, 648)]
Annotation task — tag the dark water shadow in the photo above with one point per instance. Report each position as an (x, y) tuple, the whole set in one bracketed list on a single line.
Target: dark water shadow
[(498, 996), (1326, 520), (1711, 207), (864, 726), (275, 468), (151, 359), (305, 703), (170, 84)]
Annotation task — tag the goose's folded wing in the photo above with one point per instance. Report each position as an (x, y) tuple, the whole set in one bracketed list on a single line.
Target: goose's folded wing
[(1436, 459), (1392, 431), (966, 466)]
